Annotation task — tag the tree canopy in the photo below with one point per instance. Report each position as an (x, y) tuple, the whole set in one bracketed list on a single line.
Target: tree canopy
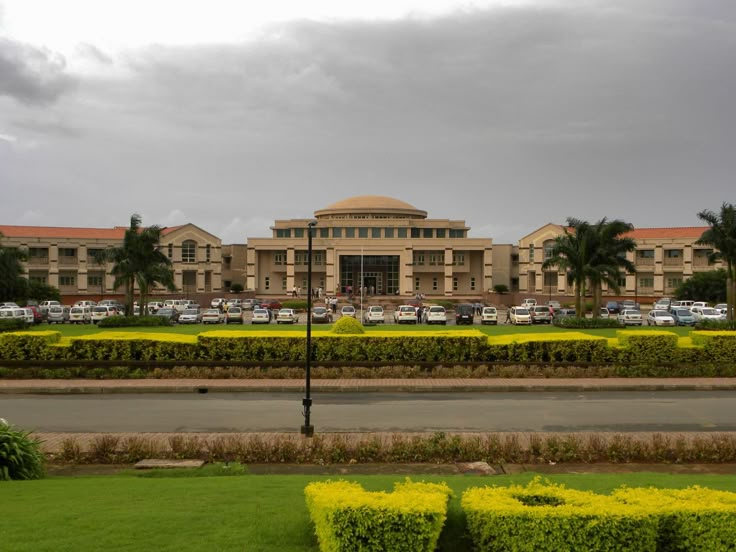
[(722, 237)]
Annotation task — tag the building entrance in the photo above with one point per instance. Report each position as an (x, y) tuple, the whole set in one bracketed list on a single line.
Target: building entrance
[(377, 272)]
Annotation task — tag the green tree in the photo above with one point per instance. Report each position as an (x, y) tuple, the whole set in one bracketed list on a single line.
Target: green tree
[(139, 261), (13, 286), (722, 237), (608, 250), (571, 253), (704, 286), (501, 288)]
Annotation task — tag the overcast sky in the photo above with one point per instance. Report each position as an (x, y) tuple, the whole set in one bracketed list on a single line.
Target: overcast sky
[(507, 114)]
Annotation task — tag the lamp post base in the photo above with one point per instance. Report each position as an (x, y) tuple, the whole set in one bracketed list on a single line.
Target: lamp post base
[(307, 430)]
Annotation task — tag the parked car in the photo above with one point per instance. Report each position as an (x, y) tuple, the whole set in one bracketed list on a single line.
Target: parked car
[(662, 304), (169, 313), (261, 316), (660, 318), (435, 314), (37, 316), (405, 314), (630, 317), (20, 313), (85, 303), (489, 315), (234, 302), (348, 310), (271, 304), (683, 316), (190, 316), (213, 316), (566, 312), (179, 305), (45, 305), (374, 315), (464, 314), (613, 307), (520, 315), (699, 304), (100, 312), (555, 305), (217, 302), (234, 315), (684, 304), (80, 315), (605, 314), (321, 315), (57, 314), (707, 313), (722, 308), (630, 304), (287, 316), (248, 304), (540, 315), (529, 303)]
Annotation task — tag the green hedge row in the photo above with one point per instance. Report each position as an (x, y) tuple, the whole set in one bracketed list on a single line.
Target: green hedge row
[(549, 517), (713, 352)]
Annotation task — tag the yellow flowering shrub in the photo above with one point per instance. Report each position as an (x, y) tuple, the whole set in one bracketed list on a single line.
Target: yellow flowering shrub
[(549, 347), (348, 518), (543, 517)]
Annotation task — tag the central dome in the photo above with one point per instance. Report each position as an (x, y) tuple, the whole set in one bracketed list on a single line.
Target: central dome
[(370, 206)]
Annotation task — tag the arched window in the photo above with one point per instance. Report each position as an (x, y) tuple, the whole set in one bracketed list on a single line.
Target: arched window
[(189, 251), (548, 247)]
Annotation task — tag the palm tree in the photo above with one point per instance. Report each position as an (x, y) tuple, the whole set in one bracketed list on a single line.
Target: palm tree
[(722, 237), (12, 284), (571, 253), (608, 256), (139, 261)]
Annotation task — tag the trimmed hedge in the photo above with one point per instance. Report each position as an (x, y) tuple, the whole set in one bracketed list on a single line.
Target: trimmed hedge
[(348, 518), (539, 518), (133, 321), (12, 324)]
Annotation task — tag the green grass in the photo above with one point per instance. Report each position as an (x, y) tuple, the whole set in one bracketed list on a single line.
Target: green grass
[(253, 513), (70, 330)]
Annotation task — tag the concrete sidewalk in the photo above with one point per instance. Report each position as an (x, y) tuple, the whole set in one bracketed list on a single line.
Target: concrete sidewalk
[(83, 386)]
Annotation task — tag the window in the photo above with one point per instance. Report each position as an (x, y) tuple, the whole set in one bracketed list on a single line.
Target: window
[(298, 232), (458, 259), (283, 232), (37, 279), (454, 283), (375, 232), (324, 232), (531, 252), (401, 232), (646, 282), (415, 232), (419, 259), (300, 258), (436, 259), (337, 232), (318, 257), (267, 283), (514, 257), (208, 253), (283, 283), (645, 254), (67, 281), (621, 282), (434, 283), (350, 232), (472, 283), (427, 232), (455, 233), (388, 232), (38, 252), (189, 251), (672, 253), (227, 260), (440, 232), (279, 257), (170, 252), (548, 247), (362, 232), (94, 281), (93, 253), (674, 282), (416, 284)]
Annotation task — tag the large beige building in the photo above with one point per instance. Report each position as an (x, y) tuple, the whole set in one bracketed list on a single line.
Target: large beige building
[(663, 258), (383, 244), (64, 257)]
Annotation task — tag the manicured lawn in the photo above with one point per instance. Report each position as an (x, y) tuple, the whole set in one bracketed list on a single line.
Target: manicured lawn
[(69, 330), (253, 513)]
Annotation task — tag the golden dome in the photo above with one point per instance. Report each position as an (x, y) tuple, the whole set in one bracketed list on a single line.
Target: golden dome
[(373, 205)]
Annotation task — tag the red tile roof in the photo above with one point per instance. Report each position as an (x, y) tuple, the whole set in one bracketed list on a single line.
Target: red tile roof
[(115, 233), (693, 232)]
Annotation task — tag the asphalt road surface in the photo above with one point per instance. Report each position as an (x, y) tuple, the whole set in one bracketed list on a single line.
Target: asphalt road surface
[(666, 411)]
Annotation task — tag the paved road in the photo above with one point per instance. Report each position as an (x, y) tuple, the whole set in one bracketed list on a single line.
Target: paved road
[(669, 411)]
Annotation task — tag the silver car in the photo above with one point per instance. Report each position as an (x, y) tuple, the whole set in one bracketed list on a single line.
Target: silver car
[(660, 318)]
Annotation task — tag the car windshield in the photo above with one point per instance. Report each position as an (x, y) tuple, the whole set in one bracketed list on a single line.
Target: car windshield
[(683, 312), (436, 309), (99, 309), (165, 311), (710, 311), (489, 310), (190, 311), (348, 309), (522, 311), (376, 309), (233, 310), (261, 312), (320, 310)]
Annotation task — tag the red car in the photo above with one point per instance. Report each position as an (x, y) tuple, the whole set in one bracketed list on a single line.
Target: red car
[(271, 304), (37, 316)]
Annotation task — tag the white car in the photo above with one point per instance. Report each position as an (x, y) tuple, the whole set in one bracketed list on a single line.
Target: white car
[(660, 318), (261, 316), (287, 316), (100, 312), (80, 315), (89, 304), (374, 315), (435, 315), (630, 317), (520, 315), (180, 305), (348, 310), (216, 302), (662, 304), (489, 315), (17, 312), (405, 314), (190, 316), (213, 316), (529, 303), (605, 313), (707, 313)]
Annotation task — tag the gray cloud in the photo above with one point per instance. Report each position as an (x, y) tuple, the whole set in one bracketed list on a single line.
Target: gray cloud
[(507, 118), (31, 75)]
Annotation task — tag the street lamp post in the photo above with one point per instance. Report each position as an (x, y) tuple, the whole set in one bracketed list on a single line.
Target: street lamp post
[(308, 429)]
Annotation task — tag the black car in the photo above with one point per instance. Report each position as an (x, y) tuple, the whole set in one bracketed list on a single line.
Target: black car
[(464, 314), (171, 314)]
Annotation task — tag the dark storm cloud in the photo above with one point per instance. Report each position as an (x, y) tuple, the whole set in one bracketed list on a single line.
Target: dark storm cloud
[(31, 75)]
